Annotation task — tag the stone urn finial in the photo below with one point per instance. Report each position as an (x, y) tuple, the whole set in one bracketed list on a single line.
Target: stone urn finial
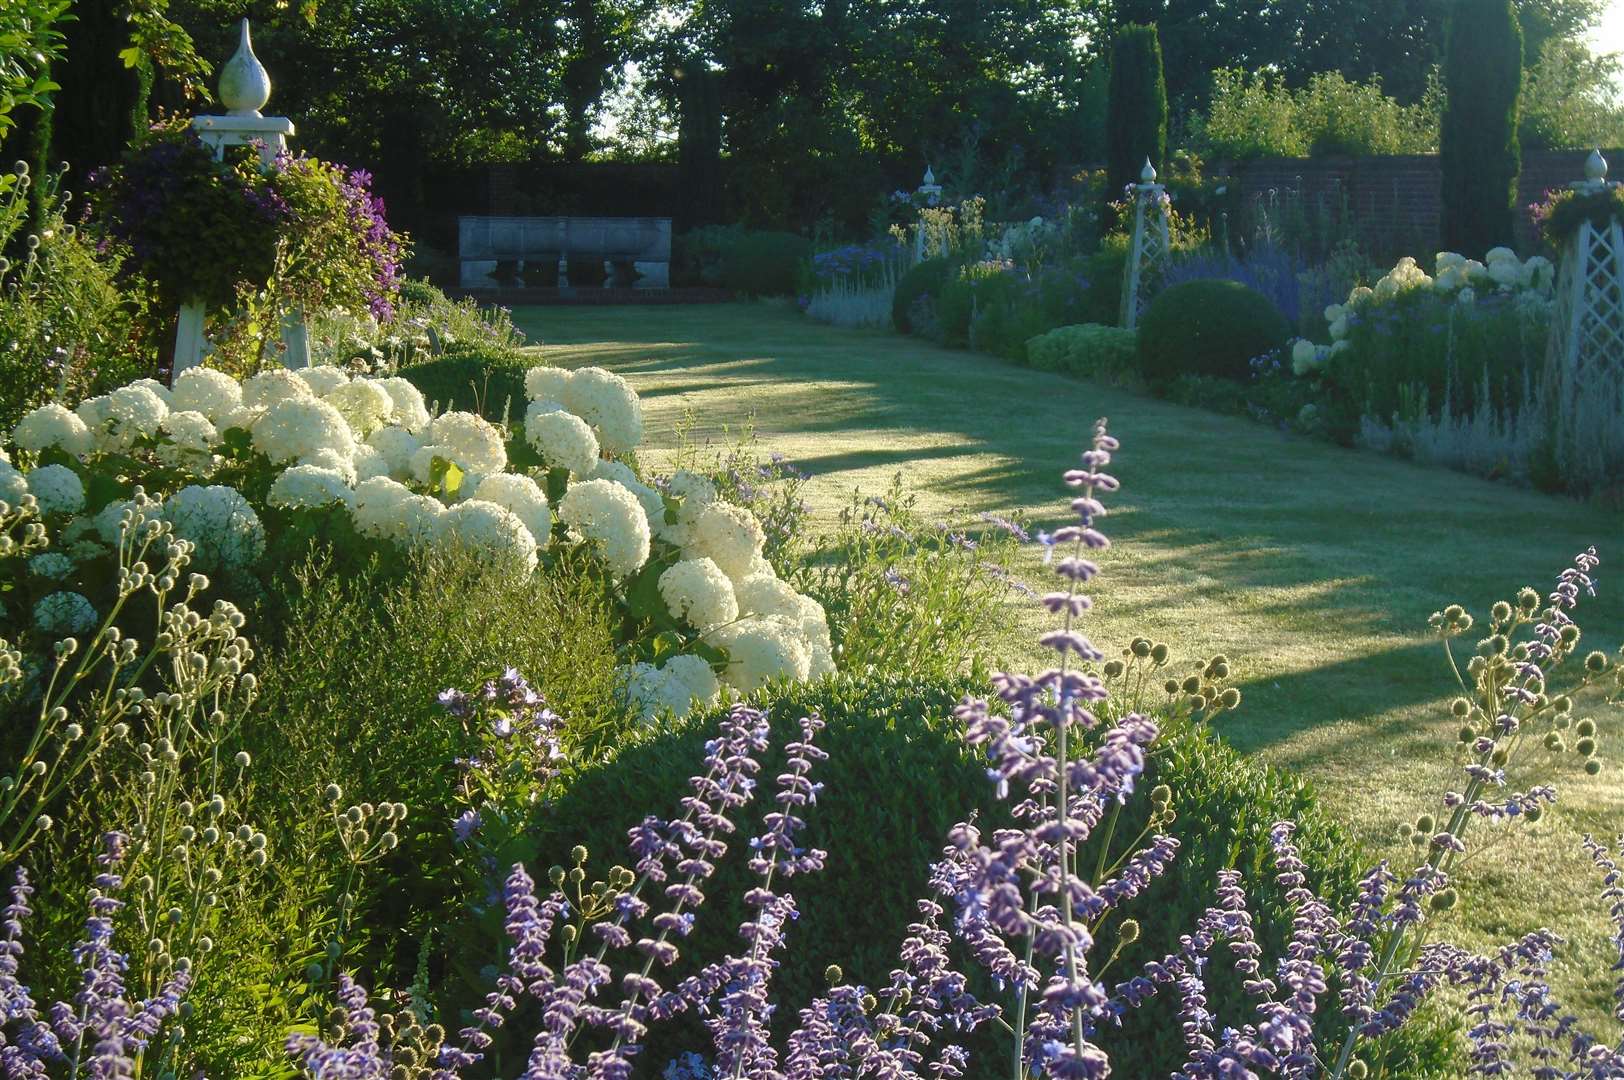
[(245, 85), (930, 176), (1595, 167), (1147, 175)]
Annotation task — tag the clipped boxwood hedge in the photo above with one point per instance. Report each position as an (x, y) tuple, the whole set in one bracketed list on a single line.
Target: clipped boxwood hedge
[(1091, 349), (897, 779), (475, 380), (923, 279), (1207, 327)]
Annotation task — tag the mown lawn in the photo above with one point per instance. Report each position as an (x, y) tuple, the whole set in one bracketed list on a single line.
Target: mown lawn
[(1312, 567)]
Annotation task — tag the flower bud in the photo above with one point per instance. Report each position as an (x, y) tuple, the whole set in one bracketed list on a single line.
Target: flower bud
[(1500, 612), (1585, 728), (577, 875), (1230, 698), (1555, 743), (1114, 669), (1140, 647), (1161, 795), (579, 854), (1500, 757), (1593, 766), (1466, 734), (1128, 932), (1444, 900), (1586, 747), (1171, 686), (1191, 685), (1460, 708), (1569, 634), (833, 975), (1357, 1070), (556, 876), (1158, 654), (333, 793), (1596, 662), (569, 933)]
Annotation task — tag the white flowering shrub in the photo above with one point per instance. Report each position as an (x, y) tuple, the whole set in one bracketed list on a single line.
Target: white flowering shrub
[(252, 473)]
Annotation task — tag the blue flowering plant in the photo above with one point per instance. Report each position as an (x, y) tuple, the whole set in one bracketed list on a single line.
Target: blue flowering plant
[(515, 755)]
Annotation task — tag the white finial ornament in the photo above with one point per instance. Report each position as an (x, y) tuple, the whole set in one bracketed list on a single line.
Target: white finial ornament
[(245, 85), (1595, 167), (1147, 175), (930, 177)]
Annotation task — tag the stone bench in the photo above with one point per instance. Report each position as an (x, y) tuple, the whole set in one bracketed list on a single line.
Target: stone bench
[(635, 251)]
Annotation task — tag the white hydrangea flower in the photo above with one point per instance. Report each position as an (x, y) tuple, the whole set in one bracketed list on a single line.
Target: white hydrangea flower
[(63, 613), (653, 502), (1506, 273), (606, 514), (696, 591), (13, 486), (375, 506), (342, 464), (523, 496), (369, 462), (1359, 294), (118, 419), (396, 445), (1339, 328), (607, 402), (490, 529), (213, 393), (297, 427), (191, 436), (764, 594), (322, 379), (730, 535), (308, 486), (761, 650), (410, 411), (158, 388), (695, 672), (422, 463), (652, 692), (365, 404), (475, 443), (1500, 254), (546, 384), (562, 439), (1466, 297), (218, 520), (51, 565), (1445, 260), (242, 418), (52, 425), (1540, 273), (420, 520), (109, 521), (272, 386), (58, 489)]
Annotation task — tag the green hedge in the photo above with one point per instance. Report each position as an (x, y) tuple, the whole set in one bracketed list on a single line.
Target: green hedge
[(1097, 351), (898, 777), (766, 264), (1207, 327), (476, 380), (923, 280)]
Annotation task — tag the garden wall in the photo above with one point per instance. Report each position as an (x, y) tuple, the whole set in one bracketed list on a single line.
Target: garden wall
[(1393, 201)]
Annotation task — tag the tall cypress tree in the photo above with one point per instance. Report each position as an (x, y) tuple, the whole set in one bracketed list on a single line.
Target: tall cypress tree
[(1136, 117), (1478, 148)]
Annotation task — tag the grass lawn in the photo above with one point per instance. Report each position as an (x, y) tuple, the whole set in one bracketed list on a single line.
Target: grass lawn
[(1313, 567)]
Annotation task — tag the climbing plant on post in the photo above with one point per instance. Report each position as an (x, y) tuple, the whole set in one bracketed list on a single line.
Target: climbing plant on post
[(1136, 114), (1478, 149)]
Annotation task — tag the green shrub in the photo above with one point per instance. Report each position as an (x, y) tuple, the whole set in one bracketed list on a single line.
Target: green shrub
[(490, 383), (1096, 351), (897, 778), (923, 280), (1478, 150), (766, 264), (1136, 120), (697, 256), (1103, 270), (1207, 327), (1253, 115), (349, 696)]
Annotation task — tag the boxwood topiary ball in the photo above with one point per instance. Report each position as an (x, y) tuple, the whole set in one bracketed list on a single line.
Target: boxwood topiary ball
[(1208, 327)]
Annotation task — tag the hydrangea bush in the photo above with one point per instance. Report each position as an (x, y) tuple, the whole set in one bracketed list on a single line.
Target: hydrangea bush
[(237, 467)]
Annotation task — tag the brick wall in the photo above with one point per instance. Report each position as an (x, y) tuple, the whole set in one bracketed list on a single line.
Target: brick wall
[(1391, 203)]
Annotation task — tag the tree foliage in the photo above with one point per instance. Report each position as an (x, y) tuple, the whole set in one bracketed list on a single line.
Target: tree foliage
[(1137, 115), (1478, 148)]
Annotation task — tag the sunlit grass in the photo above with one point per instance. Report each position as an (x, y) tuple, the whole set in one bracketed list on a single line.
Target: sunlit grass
[(1312, 567)]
